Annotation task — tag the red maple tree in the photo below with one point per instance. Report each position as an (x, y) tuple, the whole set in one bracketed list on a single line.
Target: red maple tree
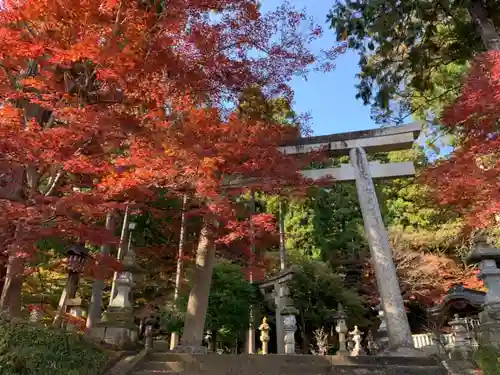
[(103, 101), (469, 180)]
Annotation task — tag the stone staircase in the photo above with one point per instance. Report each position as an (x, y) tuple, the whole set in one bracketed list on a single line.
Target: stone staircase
[(162, 363)]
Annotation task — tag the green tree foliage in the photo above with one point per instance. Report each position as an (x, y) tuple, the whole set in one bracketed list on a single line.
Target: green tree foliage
[(444, 85), (325, 225), (230, 299), (316, 291), (254, 104), (229, 303), (410, 51), (407, 203)]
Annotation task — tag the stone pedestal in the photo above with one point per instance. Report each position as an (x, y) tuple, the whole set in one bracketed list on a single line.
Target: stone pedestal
[(75, 309), (290, 327), (117, 328), (489, 330)]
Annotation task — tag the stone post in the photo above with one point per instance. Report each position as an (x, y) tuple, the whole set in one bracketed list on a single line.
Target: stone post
[(280, 331), (75, 309), (488, 257), (357, 338), (341, 329), (400, 339), (372, 346), (264, 335), (289, 322), (148, 334), (290, 326), (382, 336), (208, 339)]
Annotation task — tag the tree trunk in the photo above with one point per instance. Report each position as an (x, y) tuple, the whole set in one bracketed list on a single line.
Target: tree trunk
[(69, 292), (174, 338), (194, 322), (486, 28), (10, 301), (94, 315), (281, 221)]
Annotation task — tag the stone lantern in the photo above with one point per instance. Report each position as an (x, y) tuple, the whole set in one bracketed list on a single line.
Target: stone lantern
[(341, 329), (77, 256), (117, 326), (488, 258)]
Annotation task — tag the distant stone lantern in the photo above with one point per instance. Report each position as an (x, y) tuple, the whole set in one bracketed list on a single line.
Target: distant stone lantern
[(77, 256), (117, 326), (341, 329)]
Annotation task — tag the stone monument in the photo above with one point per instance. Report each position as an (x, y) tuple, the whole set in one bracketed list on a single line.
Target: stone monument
[(357, 338)]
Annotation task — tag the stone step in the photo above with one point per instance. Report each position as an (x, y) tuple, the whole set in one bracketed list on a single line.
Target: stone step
[(153, 372), (163, 363), (149, 367), (162, 345), (163, 366), (275, 359), (337, 370)]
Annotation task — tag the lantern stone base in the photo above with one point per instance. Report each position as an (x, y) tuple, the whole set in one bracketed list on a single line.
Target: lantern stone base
[(404, 351), (489, 330), (117, 328)]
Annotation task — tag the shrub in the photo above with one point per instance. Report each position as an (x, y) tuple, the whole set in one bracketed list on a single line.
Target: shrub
[(488, 360), (37, 350)]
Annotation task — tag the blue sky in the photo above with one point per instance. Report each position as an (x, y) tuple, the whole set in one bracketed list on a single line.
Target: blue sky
[(328, 97)]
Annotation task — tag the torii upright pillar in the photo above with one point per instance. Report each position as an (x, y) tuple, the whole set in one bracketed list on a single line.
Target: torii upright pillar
[(400, 339), (354, 144)]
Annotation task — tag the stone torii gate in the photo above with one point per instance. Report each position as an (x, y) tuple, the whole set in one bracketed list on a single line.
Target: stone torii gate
[(357, 144)]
